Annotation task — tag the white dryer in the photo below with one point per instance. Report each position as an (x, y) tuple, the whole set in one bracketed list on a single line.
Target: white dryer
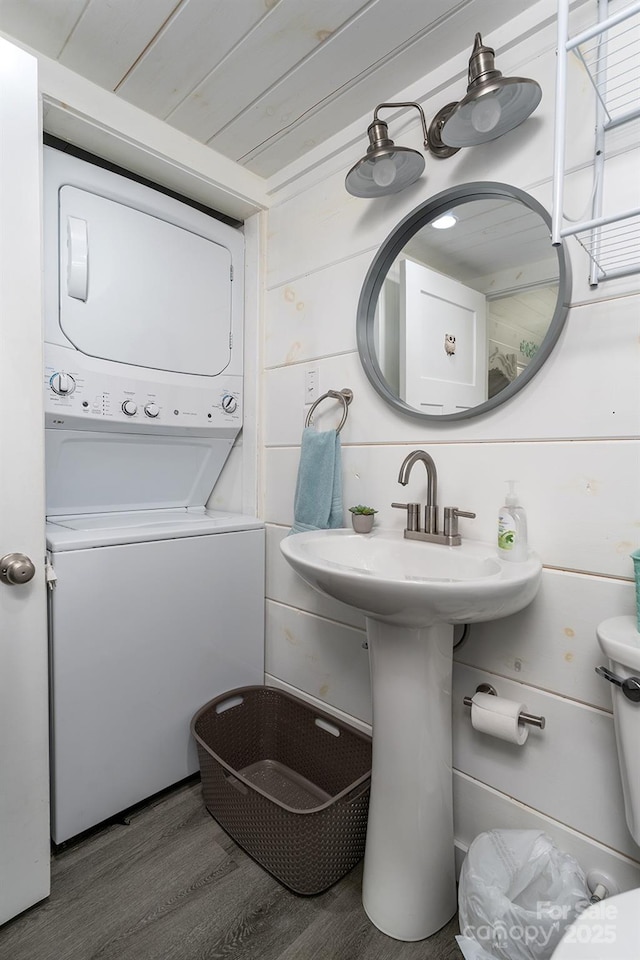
[(156, 603), (143, 343)]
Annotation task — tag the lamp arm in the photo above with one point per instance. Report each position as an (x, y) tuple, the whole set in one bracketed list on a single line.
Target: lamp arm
[(403, 103)]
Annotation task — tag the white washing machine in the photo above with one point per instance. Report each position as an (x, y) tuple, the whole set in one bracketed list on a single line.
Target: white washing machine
[(157, 605), (151, 617)]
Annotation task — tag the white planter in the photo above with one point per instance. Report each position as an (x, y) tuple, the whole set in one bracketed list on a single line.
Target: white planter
[(362, 522)]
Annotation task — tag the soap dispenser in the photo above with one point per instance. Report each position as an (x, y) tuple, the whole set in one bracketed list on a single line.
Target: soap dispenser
[(512, 527)]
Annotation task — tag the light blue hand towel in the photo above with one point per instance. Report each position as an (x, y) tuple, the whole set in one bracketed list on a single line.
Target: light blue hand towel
[(318, 499)]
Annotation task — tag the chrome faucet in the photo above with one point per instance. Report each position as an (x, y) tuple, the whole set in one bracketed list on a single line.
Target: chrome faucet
[(431, 509), (450, 537)]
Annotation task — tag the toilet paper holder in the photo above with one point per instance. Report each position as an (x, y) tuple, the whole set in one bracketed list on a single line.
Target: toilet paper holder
[(523, 718)]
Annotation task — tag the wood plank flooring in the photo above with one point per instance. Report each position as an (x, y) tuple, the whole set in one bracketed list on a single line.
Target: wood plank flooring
[(173, 886)]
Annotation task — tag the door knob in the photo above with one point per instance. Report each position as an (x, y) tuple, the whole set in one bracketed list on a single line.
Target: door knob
[(16, 568)]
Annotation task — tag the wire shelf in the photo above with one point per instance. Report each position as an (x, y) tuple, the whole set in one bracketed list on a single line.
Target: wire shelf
[(614, 248), (610, 52), (611, 60)]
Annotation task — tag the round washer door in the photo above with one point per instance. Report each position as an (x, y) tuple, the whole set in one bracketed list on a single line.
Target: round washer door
[(609, 930)]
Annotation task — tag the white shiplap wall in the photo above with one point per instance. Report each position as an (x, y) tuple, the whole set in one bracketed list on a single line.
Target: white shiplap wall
[(571, 436)]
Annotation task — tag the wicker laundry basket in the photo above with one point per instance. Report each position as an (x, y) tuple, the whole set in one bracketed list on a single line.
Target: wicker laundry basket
[(288, 783)]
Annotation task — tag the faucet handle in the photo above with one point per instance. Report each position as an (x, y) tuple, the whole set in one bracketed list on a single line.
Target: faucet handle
[(413, 514), (451, 515)]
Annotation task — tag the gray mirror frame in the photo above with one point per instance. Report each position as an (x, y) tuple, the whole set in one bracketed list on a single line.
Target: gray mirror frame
[(391, 248)]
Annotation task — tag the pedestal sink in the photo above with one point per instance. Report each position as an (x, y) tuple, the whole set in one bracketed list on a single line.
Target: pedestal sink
[(411, 594)]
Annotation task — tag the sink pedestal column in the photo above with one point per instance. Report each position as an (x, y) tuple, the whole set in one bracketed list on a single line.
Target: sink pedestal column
[(409, 888)]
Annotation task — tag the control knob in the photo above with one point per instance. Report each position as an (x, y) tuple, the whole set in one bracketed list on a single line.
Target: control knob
[(63, 384), (130, 408), (151, 409), (229, 403)]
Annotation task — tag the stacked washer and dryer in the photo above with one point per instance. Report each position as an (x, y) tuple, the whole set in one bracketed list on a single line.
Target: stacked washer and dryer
[(157, 603)]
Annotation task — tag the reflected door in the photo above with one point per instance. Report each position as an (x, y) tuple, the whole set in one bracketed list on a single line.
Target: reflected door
[(443, 341)]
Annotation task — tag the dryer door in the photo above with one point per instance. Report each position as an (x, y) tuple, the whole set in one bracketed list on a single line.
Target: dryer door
[(136, 289)]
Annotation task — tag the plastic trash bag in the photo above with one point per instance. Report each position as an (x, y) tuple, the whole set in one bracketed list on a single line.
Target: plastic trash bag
[(518, 892)]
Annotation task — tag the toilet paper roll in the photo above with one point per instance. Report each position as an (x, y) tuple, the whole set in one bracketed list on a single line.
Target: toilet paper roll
[(498, 717)]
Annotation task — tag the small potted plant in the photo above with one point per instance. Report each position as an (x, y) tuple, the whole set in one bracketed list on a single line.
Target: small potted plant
[(362, 518)]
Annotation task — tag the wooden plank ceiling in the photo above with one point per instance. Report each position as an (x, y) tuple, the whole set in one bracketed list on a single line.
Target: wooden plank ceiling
[(260, 81)]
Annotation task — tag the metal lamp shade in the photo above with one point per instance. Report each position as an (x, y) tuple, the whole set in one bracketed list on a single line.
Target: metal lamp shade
[(489, 110), (402, 164)]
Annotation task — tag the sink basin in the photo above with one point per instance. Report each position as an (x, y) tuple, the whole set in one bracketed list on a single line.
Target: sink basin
[(412, 582), (411, 593)]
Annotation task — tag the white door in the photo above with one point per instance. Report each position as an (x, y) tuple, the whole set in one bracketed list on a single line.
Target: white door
[(443, 341), (24, 778)]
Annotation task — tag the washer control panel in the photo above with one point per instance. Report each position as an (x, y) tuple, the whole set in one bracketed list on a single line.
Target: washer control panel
[(74, 395)]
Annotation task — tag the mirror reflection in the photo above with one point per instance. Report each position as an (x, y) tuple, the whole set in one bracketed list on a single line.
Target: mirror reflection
[(465, 308)]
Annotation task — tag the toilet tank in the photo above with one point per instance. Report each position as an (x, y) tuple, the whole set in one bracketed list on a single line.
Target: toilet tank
[(619, 639)]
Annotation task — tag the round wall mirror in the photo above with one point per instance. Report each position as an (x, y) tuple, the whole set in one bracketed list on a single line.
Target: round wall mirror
[(463, 302)]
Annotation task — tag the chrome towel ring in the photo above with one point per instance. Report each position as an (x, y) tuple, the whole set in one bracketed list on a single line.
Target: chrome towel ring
[(345, 396)]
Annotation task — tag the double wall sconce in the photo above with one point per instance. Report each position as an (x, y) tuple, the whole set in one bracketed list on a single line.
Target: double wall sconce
[(493, 105)]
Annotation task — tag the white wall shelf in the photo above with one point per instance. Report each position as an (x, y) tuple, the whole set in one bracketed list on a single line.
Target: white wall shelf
[(610, 53)]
